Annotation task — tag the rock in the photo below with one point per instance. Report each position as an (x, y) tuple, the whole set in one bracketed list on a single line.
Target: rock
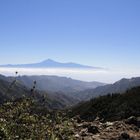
[(124, 136), (134, 128), (87, 138), (138, 122), (80, 125), (109, 124), (97, 118), (77, 136), (133, 120), (85, 124), (79, 120), (84, 132), (93, 129)]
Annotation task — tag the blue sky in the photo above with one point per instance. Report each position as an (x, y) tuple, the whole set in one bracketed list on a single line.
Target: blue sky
[(103, 33)]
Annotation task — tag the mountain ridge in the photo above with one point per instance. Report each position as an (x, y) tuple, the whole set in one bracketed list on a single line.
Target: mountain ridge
[(117, 87), (49, 63), (110, 107), (10, 92), (57, 83)]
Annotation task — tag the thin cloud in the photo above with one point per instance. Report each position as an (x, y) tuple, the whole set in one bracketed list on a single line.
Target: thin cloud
[(107, 76)]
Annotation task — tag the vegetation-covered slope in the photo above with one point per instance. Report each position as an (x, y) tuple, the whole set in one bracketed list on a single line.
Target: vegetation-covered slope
[(13, 90), (57, 84), (118, 87), (110, 107), (27, 119)]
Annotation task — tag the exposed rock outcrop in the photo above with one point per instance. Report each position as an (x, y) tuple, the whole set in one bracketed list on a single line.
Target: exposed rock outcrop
[(119, 130)]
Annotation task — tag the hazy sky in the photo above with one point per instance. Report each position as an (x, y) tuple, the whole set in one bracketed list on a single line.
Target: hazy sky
[(103, 33)]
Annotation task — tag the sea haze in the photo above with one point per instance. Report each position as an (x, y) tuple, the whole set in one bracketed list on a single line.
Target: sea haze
[(73, 70)]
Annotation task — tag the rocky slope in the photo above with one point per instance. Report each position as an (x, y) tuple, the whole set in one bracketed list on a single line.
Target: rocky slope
[(26, 119), (128, 129)]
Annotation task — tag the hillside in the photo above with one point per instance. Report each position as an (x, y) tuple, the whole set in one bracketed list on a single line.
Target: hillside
[(118, 87), (15, 90), (34, 115), (27, 119), (9, 92), (57, 84), (110, 107)]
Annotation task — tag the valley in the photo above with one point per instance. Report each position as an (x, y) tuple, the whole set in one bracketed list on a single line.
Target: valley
[(57, 115)]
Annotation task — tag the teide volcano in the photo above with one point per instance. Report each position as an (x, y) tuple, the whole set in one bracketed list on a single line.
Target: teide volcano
[(49, 63)]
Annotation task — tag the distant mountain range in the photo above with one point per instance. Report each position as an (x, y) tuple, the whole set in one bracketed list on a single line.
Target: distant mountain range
[(68, 91), (56, 83), (58, 90), (18, 90), (49, 63), (118, 87)]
